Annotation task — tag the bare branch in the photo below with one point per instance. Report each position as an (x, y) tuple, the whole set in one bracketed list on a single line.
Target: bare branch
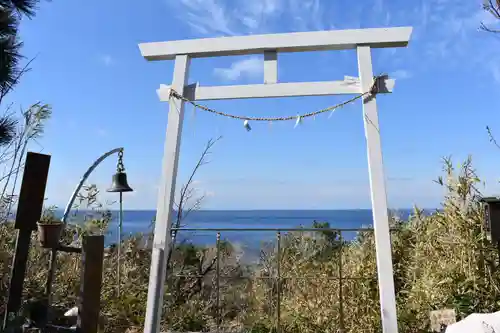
[(195, 206), (201, 161), (186, 190), (488, 29), (187, 193), (493, 9), (491, 137)]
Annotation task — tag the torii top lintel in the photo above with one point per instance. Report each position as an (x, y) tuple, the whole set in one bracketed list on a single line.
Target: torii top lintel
[(288, 42)]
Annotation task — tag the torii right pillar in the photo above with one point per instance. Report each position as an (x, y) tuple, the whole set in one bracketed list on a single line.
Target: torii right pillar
[(378, 195)]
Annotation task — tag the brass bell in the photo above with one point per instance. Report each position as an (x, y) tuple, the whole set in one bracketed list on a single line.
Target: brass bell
[(119, 183)]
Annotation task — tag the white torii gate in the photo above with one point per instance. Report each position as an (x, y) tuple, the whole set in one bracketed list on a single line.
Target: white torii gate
[(363, 40)]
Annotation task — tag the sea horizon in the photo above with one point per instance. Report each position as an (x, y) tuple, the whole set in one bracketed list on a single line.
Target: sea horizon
[(140, 221), (257, 210)]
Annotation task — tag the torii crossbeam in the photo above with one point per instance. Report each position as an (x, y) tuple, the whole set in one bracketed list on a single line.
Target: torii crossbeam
[(363, 40)]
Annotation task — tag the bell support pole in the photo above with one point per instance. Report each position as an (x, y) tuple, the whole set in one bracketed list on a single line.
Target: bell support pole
[(53, 252), (120, 185), (84, 178)]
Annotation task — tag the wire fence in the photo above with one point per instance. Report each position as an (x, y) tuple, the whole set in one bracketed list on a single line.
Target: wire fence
[(274, 278)]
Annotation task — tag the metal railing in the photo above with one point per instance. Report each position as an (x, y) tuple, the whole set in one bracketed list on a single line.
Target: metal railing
[(279, 278)]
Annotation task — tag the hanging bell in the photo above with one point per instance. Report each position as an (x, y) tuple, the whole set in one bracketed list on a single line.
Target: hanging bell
[(119, 183)]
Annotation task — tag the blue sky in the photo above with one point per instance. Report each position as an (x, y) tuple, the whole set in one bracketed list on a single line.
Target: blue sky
[(89, 68)]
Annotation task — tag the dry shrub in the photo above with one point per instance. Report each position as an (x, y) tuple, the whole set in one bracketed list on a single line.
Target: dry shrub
[(441, 260)]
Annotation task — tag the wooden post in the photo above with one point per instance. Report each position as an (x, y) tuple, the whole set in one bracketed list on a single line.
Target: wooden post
[(378, 196), (91, 281), (165, 213), (29, 209)]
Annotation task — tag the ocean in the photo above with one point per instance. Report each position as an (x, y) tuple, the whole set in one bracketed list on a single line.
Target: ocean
[(136, 221)]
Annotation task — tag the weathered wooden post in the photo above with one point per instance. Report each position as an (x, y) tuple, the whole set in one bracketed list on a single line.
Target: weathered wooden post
[(29, 209), (91, 281), (90, 291)]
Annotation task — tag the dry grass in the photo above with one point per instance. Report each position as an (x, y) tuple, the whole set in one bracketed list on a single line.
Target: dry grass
[(440, 260)]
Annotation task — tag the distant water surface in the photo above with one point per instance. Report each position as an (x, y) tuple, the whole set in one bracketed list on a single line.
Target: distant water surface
[(141, 220)]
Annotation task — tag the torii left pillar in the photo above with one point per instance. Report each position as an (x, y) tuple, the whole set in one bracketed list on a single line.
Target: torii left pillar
[(162, 241)]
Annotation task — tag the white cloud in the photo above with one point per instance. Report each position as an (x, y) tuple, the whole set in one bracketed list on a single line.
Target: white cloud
[(307, 14), (196, 183), (250, 22), (240, 17), (107, 60), (102, 132), (424, 13), (207, 16), (264, 7), (445, 31), (269, 6), (388, 17), (401, 74), (379, 6), (495, 70), (250, 67)]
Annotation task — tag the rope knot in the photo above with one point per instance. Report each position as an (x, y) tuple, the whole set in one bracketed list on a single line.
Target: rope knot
[(377, 83)]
